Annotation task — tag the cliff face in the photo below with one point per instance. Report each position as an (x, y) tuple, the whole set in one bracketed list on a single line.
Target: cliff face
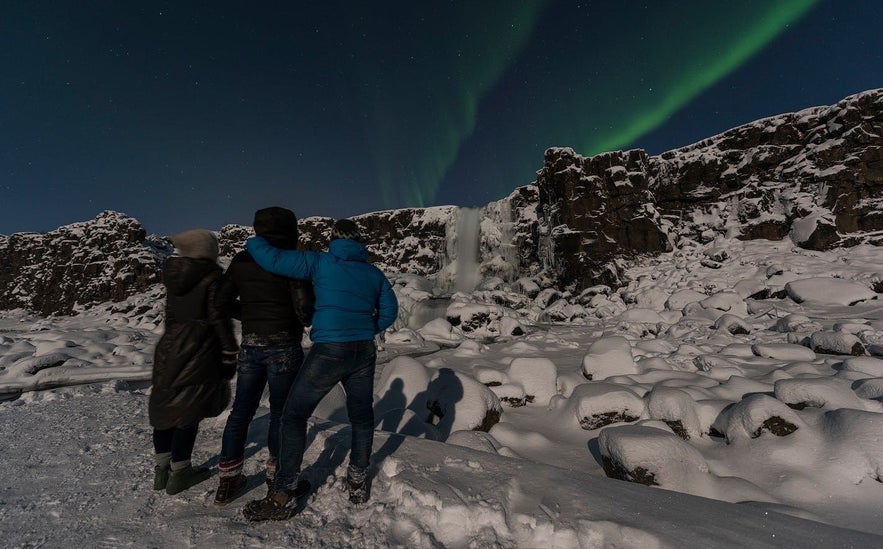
[(106, 259), (815, 176)]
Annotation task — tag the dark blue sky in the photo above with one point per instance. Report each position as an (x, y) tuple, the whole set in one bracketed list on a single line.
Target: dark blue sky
[(196, 115)]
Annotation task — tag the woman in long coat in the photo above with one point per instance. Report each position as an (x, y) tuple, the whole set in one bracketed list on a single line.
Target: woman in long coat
[(194, 360)]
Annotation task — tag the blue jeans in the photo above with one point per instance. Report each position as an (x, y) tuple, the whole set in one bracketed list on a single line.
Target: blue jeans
[(276, 365), (351, 363)]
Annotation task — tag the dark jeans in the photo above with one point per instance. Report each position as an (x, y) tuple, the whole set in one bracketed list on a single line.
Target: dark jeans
[(178, 441), (351, 363), (259, 366)]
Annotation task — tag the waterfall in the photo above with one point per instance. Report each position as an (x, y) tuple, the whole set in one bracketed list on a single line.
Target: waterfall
[(466, 273)]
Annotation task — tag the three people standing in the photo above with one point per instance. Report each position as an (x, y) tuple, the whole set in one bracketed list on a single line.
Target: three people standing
[(353, 303)]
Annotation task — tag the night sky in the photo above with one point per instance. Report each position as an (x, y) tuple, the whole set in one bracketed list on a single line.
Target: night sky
[(194, 114)]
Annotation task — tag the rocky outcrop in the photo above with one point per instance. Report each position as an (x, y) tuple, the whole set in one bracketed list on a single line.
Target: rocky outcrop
[(815, 176), (106, 259)]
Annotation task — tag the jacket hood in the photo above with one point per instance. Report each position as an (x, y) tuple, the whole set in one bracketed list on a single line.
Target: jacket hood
[(348, 250), (278, 226), (182, 274)]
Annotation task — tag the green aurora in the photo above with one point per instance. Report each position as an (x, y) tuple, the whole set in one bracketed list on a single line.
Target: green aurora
[(631, 79)]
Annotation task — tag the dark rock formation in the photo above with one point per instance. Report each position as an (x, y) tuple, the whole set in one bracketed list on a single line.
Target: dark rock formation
[(105, 259)]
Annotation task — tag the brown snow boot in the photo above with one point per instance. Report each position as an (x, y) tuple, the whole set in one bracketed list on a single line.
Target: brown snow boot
[(232, 483)]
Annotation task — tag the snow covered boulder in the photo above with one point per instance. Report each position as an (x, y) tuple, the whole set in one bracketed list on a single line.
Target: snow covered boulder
[(856, 438), (526, 286), (594, 405), (796, 322), (649, 456), (547, 297), (481, 321), (510, 394), (403, 337), (783, 351), (732, 324), (836, 343), (871, 366), (829, 291), (562, 311), (870, 388), (682, 298), (753, 415), (651, 298), (538, 377), (676, 408), (823, 392), (714, 306), (439, 331), (609, 356)]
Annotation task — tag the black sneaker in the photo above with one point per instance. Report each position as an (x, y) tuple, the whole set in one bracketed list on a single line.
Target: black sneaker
[(229, 489), (278, 505)]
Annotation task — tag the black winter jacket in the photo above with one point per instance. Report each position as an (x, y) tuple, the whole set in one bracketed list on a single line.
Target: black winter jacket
[(267, 304), (188, 382)]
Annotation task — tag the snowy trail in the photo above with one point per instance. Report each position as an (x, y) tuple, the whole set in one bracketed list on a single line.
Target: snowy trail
[(82, 473)]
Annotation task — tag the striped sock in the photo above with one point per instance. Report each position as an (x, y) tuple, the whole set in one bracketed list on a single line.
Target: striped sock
[(231, 468)]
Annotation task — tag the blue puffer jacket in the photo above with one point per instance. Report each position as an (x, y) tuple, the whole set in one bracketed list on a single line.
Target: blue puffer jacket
[(354, 300)]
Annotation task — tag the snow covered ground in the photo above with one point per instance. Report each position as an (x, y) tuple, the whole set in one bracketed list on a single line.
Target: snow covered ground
[(682, 380)]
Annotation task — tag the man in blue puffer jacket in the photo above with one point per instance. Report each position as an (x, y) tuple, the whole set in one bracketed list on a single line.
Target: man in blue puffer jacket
[(354, 302)]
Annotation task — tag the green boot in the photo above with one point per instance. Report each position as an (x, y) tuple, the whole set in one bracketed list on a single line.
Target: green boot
[(185, 478), (160, 477)]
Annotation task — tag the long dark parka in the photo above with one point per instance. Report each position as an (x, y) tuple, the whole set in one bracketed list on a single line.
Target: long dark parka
[(189, 383)]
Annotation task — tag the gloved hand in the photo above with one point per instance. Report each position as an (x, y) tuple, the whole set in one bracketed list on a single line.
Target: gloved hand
[(228, 364)]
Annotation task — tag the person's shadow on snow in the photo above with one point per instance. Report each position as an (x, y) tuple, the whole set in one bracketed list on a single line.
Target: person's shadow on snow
[(442, 396), (391, 408)]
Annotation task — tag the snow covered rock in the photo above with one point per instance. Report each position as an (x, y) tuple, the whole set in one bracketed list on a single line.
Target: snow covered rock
[(732, 324), (827, 393), (836, 343), (108, 258), (609, 356), (830, 291), (870, 366), (537, 376), (682, 298), (753, 415), (596, 404), (677, 409), (649, 456)]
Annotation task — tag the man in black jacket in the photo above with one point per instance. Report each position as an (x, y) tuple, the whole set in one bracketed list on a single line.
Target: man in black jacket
[(273, 310)]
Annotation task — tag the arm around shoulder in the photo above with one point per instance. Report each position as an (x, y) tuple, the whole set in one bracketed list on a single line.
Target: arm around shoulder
[(290, 263)]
